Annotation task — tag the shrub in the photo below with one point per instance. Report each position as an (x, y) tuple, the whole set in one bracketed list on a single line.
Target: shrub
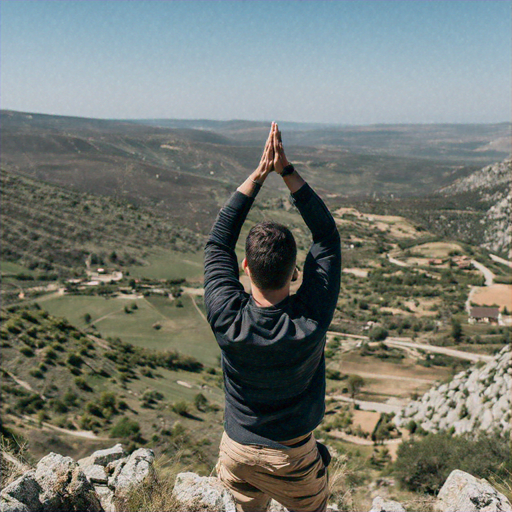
[(422, 465), (75, 360), (125, 428), (81, 383), (181, 408), (27, 351), (201, 402), (378, 334)]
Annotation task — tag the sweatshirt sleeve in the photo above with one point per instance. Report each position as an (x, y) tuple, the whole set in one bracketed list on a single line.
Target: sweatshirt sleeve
[(221, 280), (322, 269)]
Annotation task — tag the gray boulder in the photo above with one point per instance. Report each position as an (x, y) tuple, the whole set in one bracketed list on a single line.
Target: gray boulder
[(200, 492), (64, 486), (96, 474), (106, 497), (463, 492), (381, 505), (138, 468), (23, 492), (8, 504), (103, 457)]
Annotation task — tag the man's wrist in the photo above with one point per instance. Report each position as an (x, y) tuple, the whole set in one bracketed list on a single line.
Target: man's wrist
[(287, 170)]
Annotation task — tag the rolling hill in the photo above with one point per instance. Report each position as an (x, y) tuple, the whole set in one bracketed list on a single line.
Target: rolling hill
[(187, 173)]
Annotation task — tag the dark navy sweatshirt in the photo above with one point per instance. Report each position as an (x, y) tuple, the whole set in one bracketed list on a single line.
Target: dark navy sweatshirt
[(272, 357)]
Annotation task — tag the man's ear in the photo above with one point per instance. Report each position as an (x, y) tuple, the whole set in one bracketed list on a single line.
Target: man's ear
[(245, 266)]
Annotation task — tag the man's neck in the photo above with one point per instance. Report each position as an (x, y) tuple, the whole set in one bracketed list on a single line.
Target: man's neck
[(267, 298)]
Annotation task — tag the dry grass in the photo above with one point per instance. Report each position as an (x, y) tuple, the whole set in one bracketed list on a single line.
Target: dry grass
[(503, 485), (12, 462), (420, 504), (155, 495), (341, 491)]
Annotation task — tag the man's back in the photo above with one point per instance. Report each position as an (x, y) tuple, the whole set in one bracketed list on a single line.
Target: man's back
[(273, 344), (272, 357)]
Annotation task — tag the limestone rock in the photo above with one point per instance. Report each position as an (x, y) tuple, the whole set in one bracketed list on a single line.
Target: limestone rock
[(464, 492), (103, 457), (203, 492), (275, 506), (8, 504), (96, 474), (64, 486), (106, 497), (381, 505), (137, 469), (478, 398), (23, 492)]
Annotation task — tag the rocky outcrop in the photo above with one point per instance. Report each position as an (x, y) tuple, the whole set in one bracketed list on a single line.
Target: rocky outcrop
[(464, 492), (201, 492), (478, 398), (94, 484), (58, 484), (55, 485), (492, 184), (381, 505)]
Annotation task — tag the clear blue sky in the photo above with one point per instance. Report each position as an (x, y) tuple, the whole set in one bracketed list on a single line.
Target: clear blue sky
[(348, 62)]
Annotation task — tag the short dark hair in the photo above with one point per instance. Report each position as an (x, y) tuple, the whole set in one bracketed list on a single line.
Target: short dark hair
[(271, 252)]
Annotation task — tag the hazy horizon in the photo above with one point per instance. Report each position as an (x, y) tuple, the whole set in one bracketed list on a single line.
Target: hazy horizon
[(340, 62)]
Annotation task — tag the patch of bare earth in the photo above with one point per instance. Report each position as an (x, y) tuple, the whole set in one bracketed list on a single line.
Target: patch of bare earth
[(499, 294)]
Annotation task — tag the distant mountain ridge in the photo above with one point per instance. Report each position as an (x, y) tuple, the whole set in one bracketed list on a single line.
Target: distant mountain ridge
[(187, 173), (493, 186)]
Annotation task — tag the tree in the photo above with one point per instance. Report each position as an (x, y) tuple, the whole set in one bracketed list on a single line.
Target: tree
[(378, 334), (201, 402), (456, 330), (87, 318), (355, 383)]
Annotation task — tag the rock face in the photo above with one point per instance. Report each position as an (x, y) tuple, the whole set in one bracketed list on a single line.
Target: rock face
[(492, 184), (137, 468), (57, 484), (60, 484), (462, 491), (192, 491), (381, 505), (478, 398)]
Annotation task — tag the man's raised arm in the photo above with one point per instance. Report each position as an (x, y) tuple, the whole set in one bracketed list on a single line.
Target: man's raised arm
[(221, 280), (322, 269)]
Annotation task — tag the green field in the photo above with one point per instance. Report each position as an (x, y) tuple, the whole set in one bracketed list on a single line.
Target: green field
[(163, 264), (181, 328)]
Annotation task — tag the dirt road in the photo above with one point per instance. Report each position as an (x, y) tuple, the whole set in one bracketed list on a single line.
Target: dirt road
[(489, 276), (459, 354), (368, 406), (501, 260)]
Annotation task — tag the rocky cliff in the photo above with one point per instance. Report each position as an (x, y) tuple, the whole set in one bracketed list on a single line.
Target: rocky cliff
[(478, 398), (492, 185)]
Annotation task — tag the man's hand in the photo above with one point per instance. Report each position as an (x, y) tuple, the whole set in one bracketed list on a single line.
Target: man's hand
[(280, 160), (266, 165)]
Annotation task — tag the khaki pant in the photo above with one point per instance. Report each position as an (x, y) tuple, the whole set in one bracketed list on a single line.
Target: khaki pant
[(296, 477)]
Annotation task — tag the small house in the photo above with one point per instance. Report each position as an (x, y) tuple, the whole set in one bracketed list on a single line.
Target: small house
[(484, 314)]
